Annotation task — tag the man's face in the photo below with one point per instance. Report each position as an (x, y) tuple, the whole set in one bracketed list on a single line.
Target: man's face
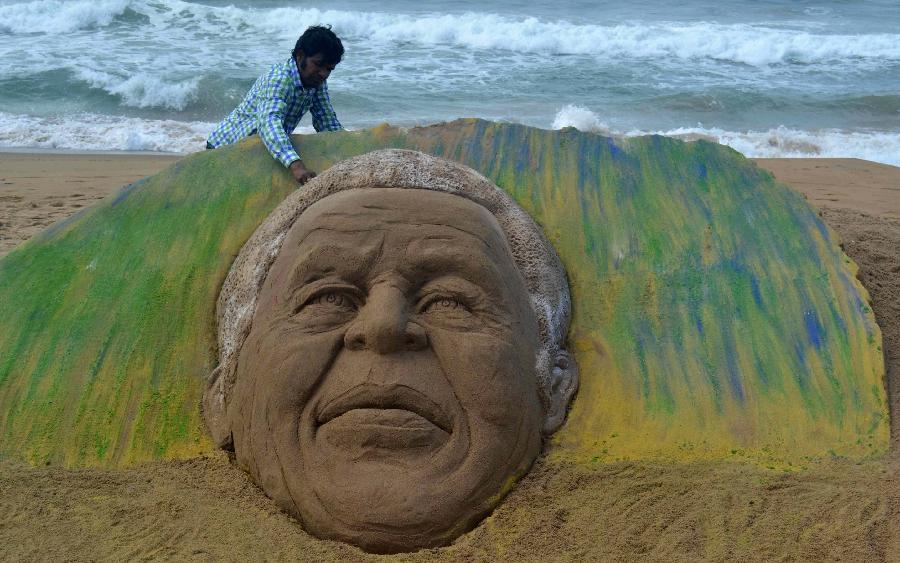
[(314, 70), (386, 394)]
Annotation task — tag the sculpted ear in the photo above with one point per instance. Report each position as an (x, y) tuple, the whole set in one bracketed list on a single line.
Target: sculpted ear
[(214, 410), (563, 385)]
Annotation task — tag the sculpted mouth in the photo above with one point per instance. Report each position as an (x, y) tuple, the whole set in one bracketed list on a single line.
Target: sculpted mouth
[(385, 399)]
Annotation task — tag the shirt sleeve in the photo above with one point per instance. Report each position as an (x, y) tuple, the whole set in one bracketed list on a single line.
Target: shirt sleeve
[(323, 116), (271, 113)]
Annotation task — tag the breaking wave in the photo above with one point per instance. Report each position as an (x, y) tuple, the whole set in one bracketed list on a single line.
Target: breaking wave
[(779, 142), (142, 90), (101, 132), (59, 16), (752, 44)]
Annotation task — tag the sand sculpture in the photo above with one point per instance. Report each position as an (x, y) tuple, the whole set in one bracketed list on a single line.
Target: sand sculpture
[(392, 351)]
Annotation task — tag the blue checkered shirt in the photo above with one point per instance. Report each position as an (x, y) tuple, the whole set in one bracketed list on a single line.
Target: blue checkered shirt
[(273, 107)]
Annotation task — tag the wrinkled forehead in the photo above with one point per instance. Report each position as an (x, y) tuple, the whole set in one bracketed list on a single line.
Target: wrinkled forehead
[(360, 234), (417, 219), (388, 207)]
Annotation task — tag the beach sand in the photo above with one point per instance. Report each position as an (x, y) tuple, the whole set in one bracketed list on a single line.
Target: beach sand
[(204, 509), (38, 189)]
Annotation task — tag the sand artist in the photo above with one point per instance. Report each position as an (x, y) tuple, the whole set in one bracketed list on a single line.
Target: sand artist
[(279, 99), (391, 347)]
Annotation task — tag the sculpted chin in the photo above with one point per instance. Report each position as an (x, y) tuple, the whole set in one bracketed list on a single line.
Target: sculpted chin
[(391, 346)]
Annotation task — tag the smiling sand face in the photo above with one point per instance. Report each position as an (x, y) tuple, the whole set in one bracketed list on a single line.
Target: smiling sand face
[(389, 388), (389, 375)]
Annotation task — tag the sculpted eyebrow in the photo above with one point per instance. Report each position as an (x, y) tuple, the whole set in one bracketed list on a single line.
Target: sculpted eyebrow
[(475, 235), (333, 258), (453, 261)]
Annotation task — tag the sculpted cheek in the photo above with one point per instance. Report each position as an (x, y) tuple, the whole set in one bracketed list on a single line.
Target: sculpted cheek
[(491, 378), (275, 376), (293, 364)]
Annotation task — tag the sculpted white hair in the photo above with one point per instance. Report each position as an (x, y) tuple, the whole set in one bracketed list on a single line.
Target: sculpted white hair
[(536, 259)]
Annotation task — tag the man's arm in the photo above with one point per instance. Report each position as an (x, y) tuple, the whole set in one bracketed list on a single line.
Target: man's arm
[(323, 116), (271, 113)]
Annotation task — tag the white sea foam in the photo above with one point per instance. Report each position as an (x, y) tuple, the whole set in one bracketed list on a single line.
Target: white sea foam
[(142, 90), (749, 44), (106, 133), (580, 118), (753, 44), (58, 16), (781, 142), (100, 132), (743, 43), (794, 143)]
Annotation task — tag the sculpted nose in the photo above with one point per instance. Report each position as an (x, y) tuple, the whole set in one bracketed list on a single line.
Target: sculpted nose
[(383, 325)]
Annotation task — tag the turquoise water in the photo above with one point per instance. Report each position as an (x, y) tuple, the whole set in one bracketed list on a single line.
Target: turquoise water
[(771, 78)]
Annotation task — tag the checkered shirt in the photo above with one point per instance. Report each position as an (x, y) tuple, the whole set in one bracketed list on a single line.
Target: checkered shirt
[(273, 107)]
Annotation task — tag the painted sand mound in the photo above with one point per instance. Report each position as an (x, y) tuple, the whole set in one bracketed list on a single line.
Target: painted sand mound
[(714, 313)]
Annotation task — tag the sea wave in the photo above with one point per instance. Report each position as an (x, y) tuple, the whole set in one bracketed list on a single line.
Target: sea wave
[(751, 44), (95, 132), (580, 118), (59, 16), (741, 43), (142, 90), (109, 133), (778, 142), (101, 132)]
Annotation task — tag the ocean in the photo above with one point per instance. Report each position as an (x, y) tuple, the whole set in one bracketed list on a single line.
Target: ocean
[(767, 77)]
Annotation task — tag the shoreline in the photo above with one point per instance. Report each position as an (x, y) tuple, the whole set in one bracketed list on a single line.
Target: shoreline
[(37, 151)]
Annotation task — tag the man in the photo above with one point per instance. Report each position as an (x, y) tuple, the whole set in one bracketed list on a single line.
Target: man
[(392, 351), (279, 99)]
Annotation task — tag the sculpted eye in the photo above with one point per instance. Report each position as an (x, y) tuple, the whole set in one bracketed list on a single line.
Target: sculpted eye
[(333, 299), (329, 301), (449, 312), (445, 303), (328, 308), (452, 303)]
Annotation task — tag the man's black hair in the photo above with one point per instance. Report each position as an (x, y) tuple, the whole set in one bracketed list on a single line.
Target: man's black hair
[(320, 39)]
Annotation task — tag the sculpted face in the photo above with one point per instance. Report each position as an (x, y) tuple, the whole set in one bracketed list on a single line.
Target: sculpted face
[(386, 394)]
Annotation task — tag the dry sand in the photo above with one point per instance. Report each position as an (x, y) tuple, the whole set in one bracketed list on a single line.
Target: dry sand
[(206, 510)]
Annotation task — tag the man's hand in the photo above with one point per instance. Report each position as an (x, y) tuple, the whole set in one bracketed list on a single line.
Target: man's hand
[(301, 173)]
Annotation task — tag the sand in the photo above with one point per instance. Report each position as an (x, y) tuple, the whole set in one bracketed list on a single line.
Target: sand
[(36, 190), (205, 509), (848, 183)]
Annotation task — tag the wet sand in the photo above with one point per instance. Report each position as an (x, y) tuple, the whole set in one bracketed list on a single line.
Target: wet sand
[(38, 189), (847, 183)]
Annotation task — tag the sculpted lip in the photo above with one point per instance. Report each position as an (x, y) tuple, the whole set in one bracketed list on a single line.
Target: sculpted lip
[(368, 396)]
